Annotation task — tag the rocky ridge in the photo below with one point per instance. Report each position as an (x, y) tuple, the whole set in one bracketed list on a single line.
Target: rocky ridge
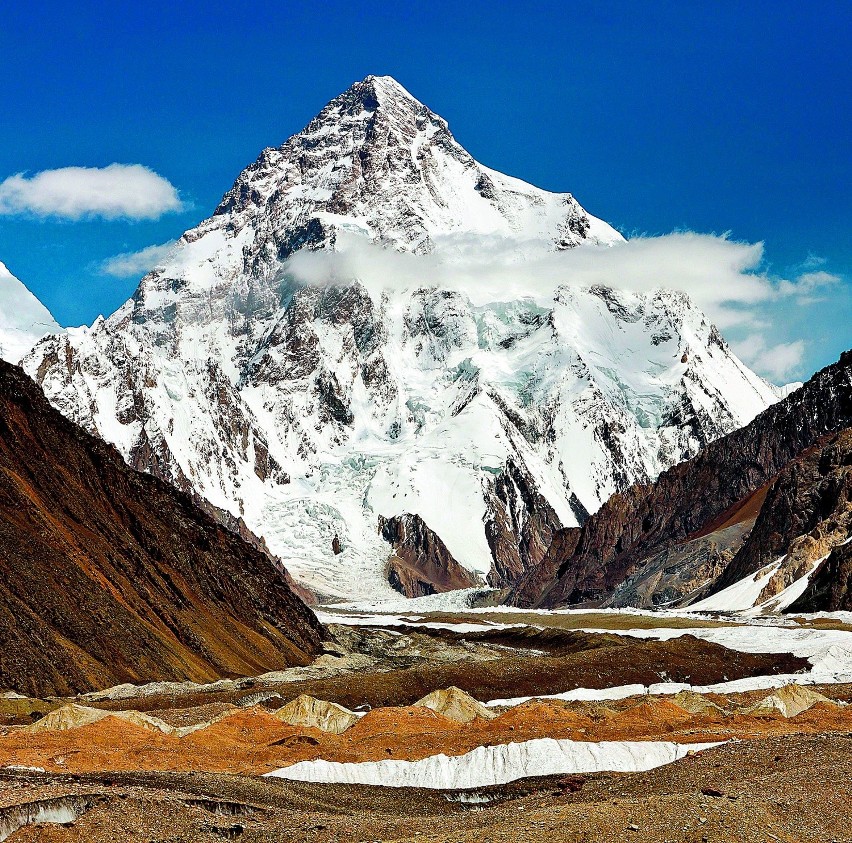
[(753, 470), (109, 575), (805, 518)]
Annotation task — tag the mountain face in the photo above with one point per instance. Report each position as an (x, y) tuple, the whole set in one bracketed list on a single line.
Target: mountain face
[(377, 162), (374, 430), (800, 538), (108, 575), (24, 320), (770, 500)]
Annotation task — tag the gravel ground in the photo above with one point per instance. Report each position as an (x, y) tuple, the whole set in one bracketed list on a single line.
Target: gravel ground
[(795, 789)]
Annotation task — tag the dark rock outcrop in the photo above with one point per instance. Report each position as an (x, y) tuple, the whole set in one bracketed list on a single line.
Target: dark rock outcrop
[(520, 525), (586, 564), (108, 575), (830, 588), (421, 563), (807, 512), (677, 575)]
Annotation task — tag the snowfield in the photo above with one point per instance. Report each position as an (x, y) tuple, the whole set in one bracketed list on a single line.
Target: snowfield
[(24, 320), (489, 765), (381, 373)]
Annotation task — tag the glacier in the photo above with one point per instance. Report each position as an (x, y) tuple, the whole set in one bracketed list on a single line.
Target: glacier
[(497, 764), (301, 412)]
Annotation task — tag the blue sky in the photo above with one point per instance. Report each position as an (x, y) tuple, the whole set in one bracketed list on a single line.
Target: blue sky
[(712, 118)]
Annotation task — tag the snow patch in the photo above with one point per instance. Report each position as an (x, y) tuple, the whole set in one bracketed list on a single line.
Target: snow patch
[(490, 765), (24, 320)]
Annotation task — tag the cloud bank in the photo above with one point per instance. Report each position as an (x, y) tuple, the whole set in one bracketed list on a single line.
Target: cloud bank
[(725, 278), (128, 264), (118, 191)]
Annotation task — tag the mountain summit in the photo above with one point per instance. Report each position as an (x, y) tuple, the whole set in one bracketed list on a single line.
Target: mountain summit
[(378, 162), (411, 434)]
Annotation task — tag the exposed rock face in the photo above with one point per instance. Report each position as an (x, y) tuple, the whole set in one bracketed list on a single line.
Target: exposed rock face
[(421, 563), (679, 573), (694, 498), (807, 512), (520, 524), (310, 404), (830, 587), (108, 575)]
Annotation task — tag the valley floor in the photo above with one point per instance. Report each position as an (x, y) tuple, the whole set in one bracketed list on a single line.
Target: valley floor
[(759, 708), (795, 788)]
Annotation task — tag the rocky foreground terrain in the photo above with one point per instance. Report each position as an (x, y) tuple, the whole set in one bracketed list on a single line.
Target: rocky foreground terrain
[(795, 788), (191, 765)]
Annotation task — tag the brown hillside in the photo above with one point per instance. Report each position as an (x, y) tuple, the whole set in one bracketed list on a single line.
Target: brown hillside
[(108, 575)]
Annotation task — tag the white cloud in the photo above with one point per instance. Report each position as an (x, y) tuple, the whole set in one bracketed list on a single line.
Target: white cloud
[(127, 264), (808, 285), (777, 362), (128, 191), (723, 277)]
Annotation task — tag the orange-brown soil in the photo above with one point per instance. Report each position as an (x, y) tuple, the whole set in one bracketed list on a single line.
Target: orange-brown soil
[(252, 741), (795, 789)]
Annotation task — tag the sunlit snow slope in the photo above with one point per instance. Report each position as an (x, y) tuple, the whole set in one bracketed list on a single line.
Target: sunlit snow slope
[(24, 320), (316, 411)]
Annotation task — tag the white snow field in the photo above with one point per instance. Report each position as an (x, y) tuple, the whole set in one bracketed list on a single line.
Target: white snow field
[(24, 320), (489, 765), (742, 596)]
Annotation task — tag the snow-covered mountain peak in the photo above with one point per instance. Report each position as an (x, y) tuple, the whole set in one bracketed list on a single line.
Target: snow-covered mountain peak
[(24, 320), (379, 92), (377, 162), (403, 413)]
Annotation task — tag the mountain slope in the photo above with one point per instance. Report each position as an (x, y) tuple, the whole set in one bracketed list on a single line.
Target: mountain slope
[(314, 411), (378, 162), (746, 475), (24, 320), (796, 557), (108, 575)]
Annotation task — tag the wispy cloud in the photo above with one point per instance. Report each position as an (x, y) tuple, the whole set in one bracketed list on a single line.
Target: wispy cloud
[(722, 276), (725, 278), (715, 271), (777, 362), (809, 286), (128, 264), (129, 191)]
